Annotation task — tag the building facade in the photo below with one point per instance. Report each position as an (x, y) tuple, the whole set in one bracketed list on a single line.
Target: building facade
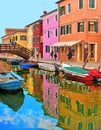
[(80, 28), (50, 32)]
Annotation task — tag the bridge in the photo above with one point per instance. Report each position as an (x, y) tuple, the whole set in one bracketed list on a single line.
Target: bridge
[(15, 49)]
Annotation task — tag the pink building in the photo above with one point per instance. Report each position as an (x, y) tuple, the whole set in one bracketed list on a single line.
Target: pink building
[(50, 32)]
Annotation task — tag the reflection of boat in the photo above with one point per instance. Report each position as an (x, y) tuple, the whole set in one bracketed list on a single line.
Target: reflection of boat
[(13, 100), (28, 65), (10, 81)]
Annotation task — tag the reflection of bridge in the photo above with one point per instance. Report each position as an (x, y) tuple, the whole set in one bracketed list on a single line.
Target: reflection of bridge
[(15, 49)]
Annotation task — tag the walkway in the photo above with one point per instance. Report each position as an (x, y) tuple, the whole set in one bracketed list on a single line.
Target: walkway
[(89, 65)]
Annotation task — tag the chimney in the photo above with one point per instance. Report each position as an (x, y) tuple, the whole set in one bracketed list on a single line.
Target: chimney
[(44, 12)]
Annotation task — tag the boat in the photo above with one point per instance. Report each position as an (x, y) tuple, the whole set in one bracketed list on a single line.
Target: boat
[(10, 81), (81, 75), (13, 100), (77, 73), (49, 67), (95, 74), (28, 65)]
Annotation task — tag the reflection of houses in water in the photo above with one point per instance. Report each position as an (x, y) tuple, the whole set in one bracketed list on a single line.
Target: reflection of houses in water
[(50, 96), (34, 84), (79, 107)]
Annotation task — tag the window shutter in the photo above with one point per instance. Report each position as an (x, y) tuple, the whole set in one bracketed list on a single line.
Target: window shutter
[(83, 26), (64, 10), (88, 25), (60, 10), (80, 4), (96, 26), (93, 3), (78, 27)]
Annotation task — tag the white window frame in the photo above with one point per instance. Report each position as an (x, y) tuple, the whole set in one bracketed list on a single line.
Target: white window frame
[(68, 12)]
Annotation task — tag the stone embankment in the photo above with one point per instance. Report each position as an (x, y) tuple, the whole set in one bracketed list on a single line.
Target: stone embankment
[(89, 65)]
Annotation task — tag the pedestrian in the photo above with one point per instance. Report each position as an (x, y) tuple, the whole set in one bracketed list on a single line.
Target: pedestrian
[(55, 56), (69, 54), (51, 54)]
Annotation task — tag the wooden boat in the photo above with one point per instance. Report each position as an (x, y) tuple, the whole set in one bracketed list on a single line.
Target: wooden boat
[(14, 100), (10, 81), (49, 67), (77, 73), (28, 65)]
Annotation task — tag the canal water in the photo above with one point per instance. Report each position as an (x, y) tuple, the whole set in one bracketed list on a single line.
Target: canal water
[(49, 101)]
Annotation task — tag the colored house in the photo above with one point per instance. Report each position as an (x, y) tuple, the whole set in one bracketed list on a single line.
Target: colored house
[(34, 35), (15, 35), (80, 29), (50, 32)]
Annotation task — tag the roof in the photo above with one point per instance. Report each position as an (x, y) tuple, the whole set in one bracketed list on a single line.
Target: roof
[(59, 1), (49, 13), (33, 22)]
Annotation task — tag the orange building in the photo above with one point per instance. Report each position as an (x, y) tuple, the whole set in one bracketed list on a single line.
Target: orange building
[(80, 29)]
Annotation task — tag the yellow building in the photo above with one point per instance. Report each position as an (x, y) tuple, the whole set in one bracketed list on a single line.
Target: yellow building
[(29, 28), (15, 35)]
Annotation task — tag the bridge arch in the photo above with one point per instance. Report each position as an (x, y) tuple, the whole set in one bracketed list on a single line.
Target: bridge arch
[(15, 49)]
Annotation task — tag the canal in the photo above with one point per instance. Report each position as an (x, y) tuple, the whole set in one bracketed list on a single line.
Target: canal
[(48, 101)]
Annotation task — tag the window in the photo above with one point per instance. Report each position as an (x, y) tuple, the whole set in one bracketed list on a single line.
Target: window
[(56, 17), (62, 10), (48, 34), (22, 37), (47, 20), (62, 30), (56, 32), (93, 26), (80, 4), (80, 26), (16, 38), (47, 48), (37, 39), (33, 39), (68, 29), (91, 3), (69, 8)]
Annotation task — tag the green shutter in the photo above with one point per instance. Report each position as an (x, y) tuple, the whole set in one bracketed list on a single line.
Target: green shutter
[(88, 25), (96, 26), (60, 10), (80, 4), (78, 27)]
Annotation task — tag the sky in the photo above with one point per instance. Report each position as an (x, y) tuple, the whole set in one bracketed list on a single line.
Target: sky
[(19, 13)]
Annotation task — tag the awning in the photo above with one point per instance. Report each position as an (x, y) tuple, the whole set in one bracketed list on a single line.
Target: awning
[(69, 43)]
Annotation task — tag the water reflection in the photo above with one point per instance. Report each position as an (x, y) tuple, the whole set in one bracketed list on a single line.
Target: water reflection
[(52, 102), (13, 100)]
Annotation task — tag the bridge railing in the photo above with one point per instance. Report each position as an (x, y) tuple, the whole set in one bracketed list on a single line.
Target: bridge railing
[(15, 49)]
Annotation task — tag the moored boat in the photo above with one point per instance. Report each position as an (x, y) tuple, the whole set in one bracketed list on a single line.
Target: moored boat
[(28, 65), (10, 81), (77, 73)]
